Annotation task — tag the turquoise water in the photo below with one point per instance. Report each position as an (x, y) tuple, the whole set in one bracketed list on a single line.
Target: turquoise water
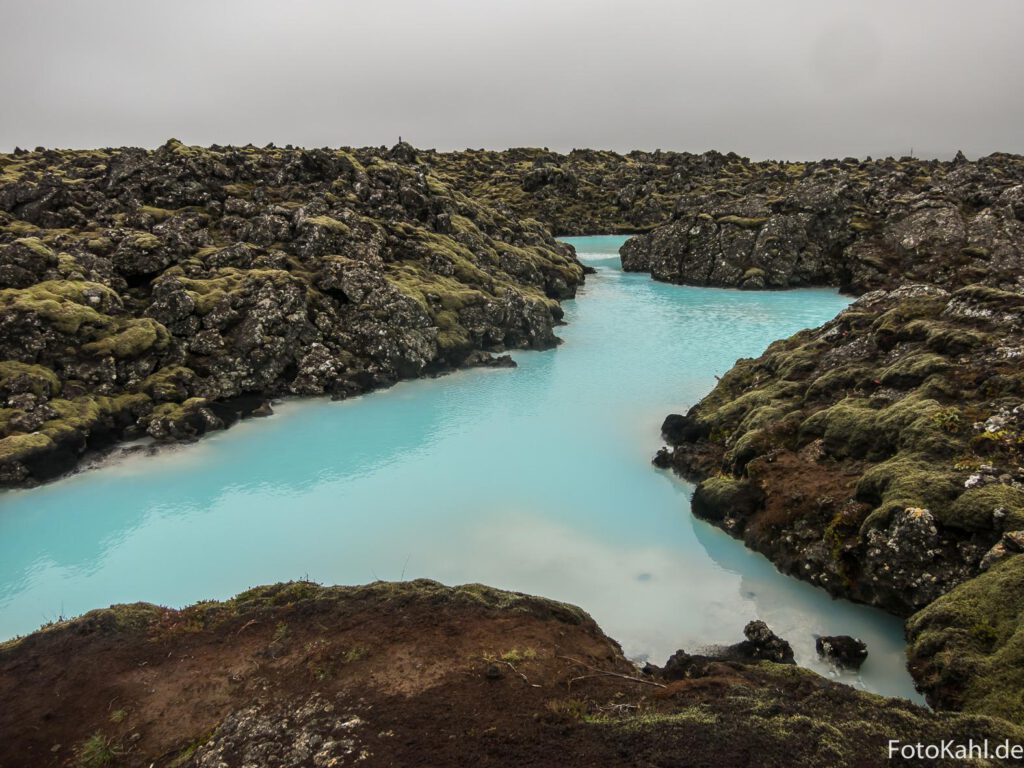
[(535, 479)]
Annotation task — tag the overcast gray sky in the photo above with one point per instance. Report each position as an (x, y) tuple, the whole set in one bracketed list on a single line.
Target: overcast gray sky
[(779, 78)]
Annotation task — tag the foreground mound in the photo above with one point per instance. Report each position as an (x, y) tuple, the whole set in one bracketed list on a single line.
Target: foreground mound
[(415, 673), (151, 292)]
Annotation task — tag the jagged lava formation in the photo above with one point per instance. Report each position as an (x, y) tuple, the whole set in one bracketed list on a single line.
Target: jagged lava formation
[(167, 292), (880, 455)]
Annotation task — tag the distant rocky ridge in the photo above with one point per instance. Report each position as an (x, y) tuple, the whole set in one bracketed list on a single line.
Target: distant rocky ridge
[(585, 191), (166, 292), (858, 225)]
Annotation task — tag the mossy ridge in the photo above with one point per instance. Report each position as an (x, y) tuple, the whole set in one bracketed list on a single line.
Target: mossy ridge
[(149, 619), (907, 395), (785, 716), (166, 224)]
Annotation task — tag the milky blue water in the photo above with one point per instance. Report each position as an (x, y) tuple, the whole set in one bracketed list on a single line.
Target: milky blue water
[(536, 479)]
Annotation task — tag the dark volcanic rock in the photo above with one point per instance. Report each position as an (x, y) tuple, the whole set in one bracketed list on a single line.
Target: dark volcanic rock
[(678, 429), (842, 650), (762, 644), (585, 191)]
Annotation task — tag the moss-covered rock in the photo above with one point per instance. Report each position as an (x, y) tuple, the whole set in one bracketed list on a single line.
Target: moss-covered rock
[(187, 276), (967, 648)]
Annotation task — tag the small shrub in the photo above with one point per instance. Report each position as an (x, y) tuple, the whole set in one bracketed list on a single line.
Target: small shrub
[(98, 751), (948, 420)]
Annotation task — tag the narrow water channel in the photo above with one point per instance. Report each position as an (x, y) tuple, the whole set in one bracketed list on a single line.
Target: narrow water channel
[(536, 479)]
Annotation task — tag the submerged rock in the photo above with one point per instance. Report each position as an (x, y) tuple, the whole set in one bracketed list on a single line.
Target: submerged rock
[(842, 650), (762, 643)]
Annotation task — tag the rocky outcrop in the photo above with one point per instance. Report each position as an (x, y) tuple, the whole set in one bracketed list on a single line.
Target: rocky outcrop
[(877, 456), (859, 225), (146, 293), (384, 674), (761, 644)]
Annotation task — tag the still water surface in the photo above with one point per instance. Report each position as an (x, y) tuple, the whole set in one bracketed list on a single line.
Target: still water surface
[(535, 479)]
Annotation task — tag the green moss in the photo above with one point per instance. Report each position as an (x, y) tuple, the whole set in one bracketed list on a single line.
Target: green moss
[(170, 383), (746, 222), (953, 340), (23, 377), (159, 214), (330, 223), (63, 304), (224, 283), (948, 420), (970, 643), (837, 381), (84, 413), (910, 370), (848, 429), (20, 447), (132, 338), (173, 412), (37, 247), (973, 509), (907, 480), (990, 295), (146, 241), (277, 594)]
